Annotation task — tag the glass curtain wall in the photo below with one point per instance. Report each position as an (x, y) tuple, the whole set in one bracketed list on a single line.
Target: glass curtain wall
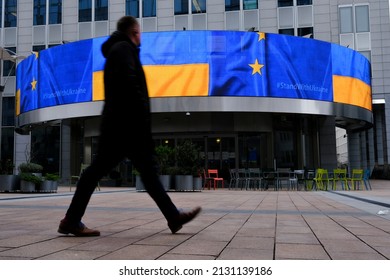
[(7, 68)]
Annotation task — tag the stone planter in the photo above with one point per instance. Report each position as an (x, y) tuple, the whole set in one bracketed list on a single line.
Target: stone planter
[(139, 185), (184, 182), (165, 181), (9, 183), (197, 183), (27, 186), (48, 186)]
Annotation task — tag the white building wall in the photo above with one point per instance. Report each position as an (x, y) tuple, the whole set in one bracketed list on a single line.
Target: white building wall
[(326, 27)]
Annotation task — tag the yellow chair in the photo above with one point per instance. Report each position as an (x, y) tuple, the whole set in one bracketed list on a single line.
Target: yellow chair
[(356, 178), (76, 178), (340, 175), (321, 180)]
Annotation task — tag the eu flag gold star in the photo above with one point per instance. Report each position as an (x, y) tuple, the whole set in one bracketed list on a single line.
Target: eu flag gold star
[(34, 84), (256, 67), (261, 36)]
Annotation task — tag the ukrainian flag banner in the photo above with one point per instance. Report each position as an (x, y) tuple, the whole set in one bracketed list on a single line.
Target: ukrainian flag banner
[(65, 74), (203, 63)]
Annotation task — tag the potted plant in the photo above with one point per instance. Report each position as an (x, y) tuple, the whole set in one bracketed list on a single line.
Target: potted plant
[(49, 183), (187, 155), (29, 182), (30, 167), (9, 182), (165, 159), (198, 180), (139, 185)]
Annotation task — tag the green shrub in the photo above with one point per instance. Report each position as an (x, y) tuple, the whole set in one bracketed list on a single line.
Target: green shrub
[(30, 167), (52, 177), (29, 177)]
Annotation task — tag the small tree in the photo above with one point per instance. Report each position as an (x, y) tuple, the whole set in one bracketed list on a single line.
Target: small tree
[(187, 155), (165, 158)]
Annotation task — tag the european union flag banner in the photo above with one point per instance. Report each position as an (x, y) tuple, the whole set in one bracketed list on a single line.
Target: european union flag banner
[(26, 85), (203, 63)]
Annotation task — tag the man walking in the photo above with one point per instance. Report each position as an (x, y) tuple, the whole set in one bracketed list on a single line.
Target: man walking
[(125, 132)]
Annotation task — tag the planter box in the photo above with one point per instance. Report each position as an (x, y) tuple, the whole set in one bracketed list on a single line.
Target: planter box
[(184, 182), (197, 184), (27, 186), (165, 181), (9, 183), (48, 186), (139, 186)]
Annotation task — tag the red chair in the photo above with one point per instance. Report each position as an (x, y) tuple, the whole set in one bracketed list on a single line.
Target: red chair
[(213, 174)]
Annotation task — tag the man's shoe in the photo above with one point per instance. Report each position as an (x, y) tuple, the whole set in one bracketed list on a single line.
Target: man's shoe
[(78, 230), (184, 217)]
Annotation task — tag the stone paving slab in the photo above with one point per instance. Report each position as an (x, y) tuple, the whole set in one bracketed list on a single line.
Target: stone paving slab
[(234, 225)]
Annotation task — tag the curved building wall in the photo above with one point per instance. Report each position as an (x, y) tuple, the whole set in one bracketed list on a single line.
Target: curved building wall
[(204, 71)]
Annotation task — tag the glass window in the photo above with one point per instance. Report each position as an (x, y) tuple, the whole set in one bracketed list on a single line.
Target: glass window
[(305, 32), (362, 19), (132, 8), (346, 22), (367, 54), (45, 146), (250, 4), (10, 13), (149, 8), (198, 6), (287, 31), (38, 48), (55, 11), (101, 10), (7, 143), (304, 2), (85, 10), (8, 111), (232, 5), (39, 12), (181, 7), (285, 3), (9, 66)]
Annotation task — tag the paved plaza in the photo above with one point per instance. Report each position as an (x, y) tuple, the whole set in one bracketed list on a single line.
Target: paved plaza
[(234, 225)]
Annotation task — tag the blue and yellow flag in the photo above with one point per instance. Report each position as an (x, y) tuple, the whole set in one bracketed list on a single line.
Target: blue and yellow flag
[(203, 63), (27, 95)]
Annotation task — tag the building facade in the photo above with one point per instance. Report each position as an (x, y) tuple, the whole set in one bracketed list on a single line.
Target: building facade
[(239, 137)]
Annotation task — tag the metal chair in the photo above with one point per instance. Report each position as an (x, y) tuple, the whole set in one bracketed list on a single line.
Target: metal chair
[(297, 177), (213, 174), (321, 180), (366, 179), (233, 178), (254, 178), (340, 175), (283, 178), (356, 178), (241, 178)]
